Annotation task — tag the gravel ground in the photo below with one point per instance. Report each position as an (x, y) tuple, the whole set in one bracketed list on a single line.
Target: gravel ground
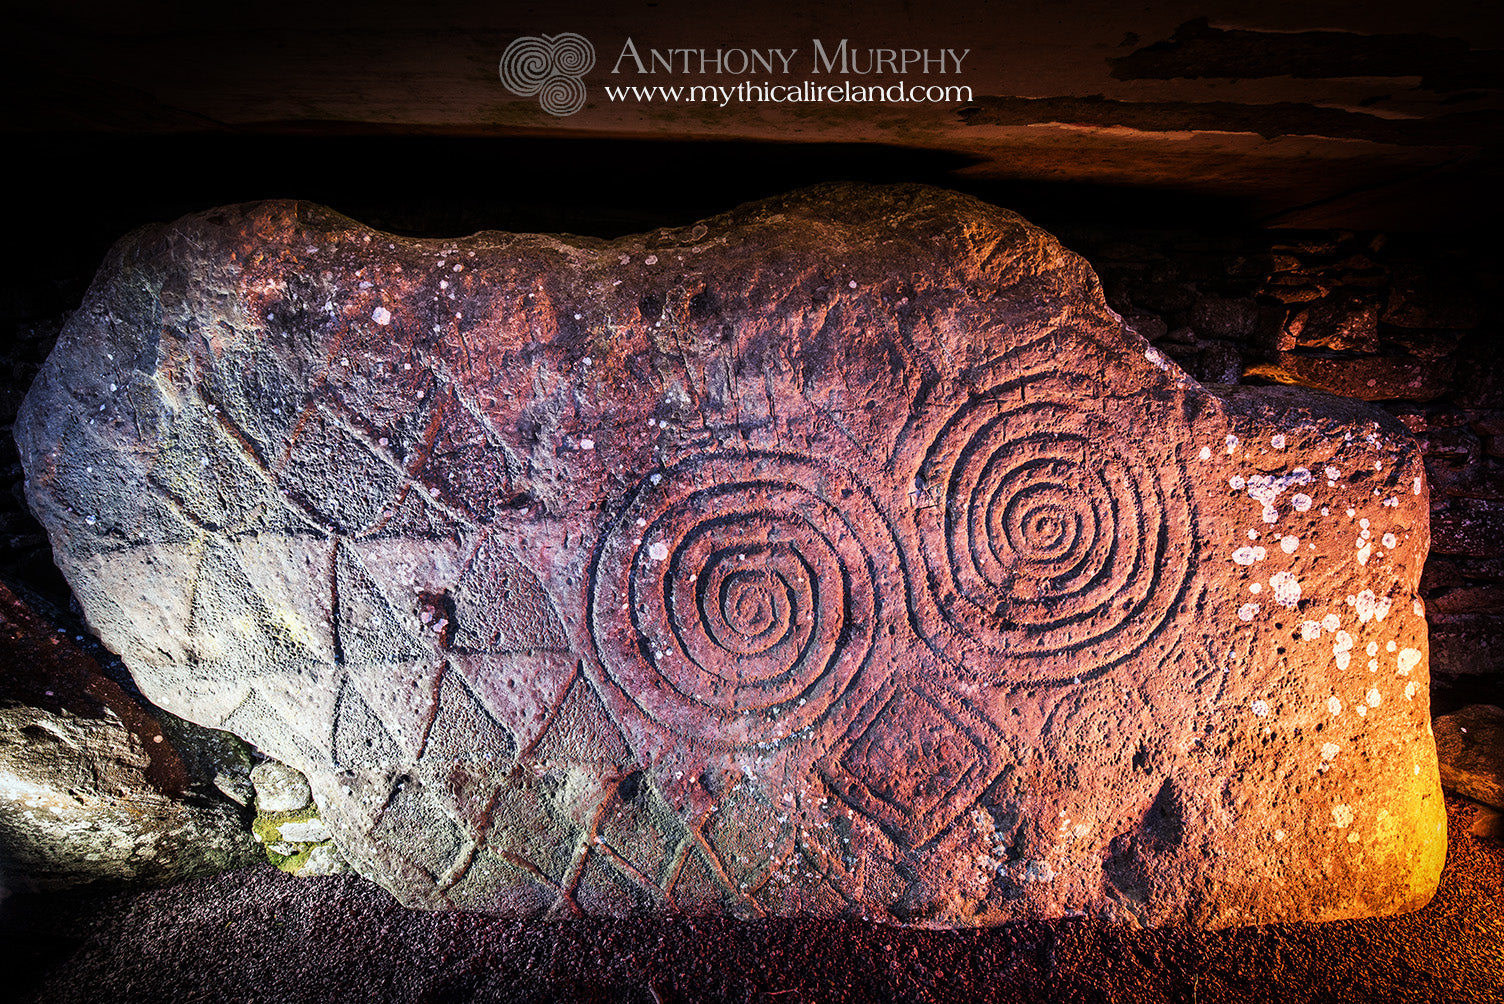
[(257, 935)]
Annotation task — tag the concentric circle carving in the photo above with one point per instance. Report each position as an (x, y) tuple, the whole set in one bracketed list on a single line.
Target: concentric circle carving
[(737, 597), (1059, 542)]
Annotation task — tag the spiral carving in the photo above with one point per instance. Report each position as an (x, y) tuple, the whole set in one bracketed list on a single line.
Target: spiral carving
[(1060, 546), (737, 597), (551, 67)]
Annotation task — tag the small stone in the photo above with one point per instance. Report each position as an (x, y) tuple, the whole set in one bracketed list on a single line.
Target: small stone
[(306, 831), (280, 788)]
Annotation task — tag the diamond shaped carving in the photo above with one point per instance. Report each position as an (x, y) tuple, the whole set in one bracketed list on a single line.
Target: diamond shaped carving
[(915, 766)]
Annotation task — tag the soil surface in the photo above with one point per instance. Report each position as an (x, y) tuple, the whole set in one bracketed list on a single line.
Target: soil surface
[(260, 935)]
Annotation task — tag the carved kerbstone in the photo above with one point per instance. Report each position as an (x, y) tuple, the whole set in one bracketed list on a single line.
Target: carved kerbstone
[(844, 554)]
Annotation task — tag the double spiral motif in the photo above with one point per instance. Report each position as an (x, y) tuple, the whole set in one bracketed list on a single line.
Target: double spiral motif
[(738, 597), (551, 67), (1055, 544)]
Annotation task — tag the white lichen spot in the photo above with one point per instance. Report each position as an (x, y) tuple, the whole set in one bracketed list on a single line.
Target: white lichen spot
[(1389, 541), (1152, 354), (1331, 622), (1417, 607), (1277, 441), (381, 316), (651, 259), (1206, 453), (1410, 689), (1329, 751), (1232, 445), (1247, 611), (1236, 483), (1374, 697), (1342, 649), (1365, 550), (1260, 708), (1415, 488), (1334, 706), (1351, 513), (1271, 514), (1390, 647), (1253, 534), (1247, 555), (1373, 665), (1285, 588), (1406, 661), (1255, 588), (1279, 836), (1333, 473), (1301, 502), (587, 444), (1342, 816), (1310, 631), (1289, 544), (1373, 648), (1370, 607), (658, 550), (1362, 711)]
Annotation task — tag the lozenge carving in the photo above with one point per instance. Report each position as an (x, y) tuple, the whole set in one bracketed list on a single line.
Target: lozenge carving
[(841, 555)]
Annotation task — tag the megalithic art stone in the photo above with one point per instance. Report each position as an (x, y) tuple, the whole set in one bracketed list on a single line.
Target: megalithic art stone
[(840, 555)]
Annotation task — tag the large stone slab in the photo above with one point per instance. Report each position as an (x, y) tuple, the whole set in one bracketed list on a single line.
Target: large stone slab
[(844, 554)]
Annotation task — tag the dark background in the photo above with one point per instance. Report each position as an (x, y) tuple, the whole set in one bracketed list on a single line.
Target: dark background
[(1299, 193)]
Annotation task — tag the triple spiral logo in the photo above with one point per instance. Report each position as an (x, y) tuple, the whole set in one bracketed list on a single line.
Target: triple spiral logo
[(551, 67), (1061, 545), (738, 597)]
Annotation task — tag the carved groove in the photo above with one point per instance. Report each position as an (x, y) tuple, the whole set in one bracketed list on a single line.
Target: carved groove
[(738, 597), (1060, 546)]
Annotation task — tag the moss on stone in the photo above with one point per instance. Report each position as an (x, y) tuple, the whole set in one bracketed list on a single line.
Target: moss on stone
[(268, 829)]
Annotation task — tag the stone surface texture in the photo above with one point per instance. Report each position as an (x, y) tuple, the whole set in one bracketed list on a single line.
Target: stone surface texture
[(843, 554), (279, 788), (95, 786), (1470, 744)]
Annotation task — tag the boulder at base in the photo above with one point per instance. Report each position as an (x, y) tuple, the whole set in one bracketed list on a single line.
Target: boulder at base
[(841, 555), (95, 785)]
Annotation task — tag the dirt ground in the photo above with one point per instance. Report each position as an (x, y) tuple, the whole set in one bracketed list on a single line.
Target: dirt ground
[(258, 935)]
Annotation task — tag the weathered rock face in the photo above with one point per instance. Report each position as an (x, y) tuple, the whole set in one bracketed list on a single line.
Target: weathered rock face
[(842, 554), (1470, 743), (93, 786)]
